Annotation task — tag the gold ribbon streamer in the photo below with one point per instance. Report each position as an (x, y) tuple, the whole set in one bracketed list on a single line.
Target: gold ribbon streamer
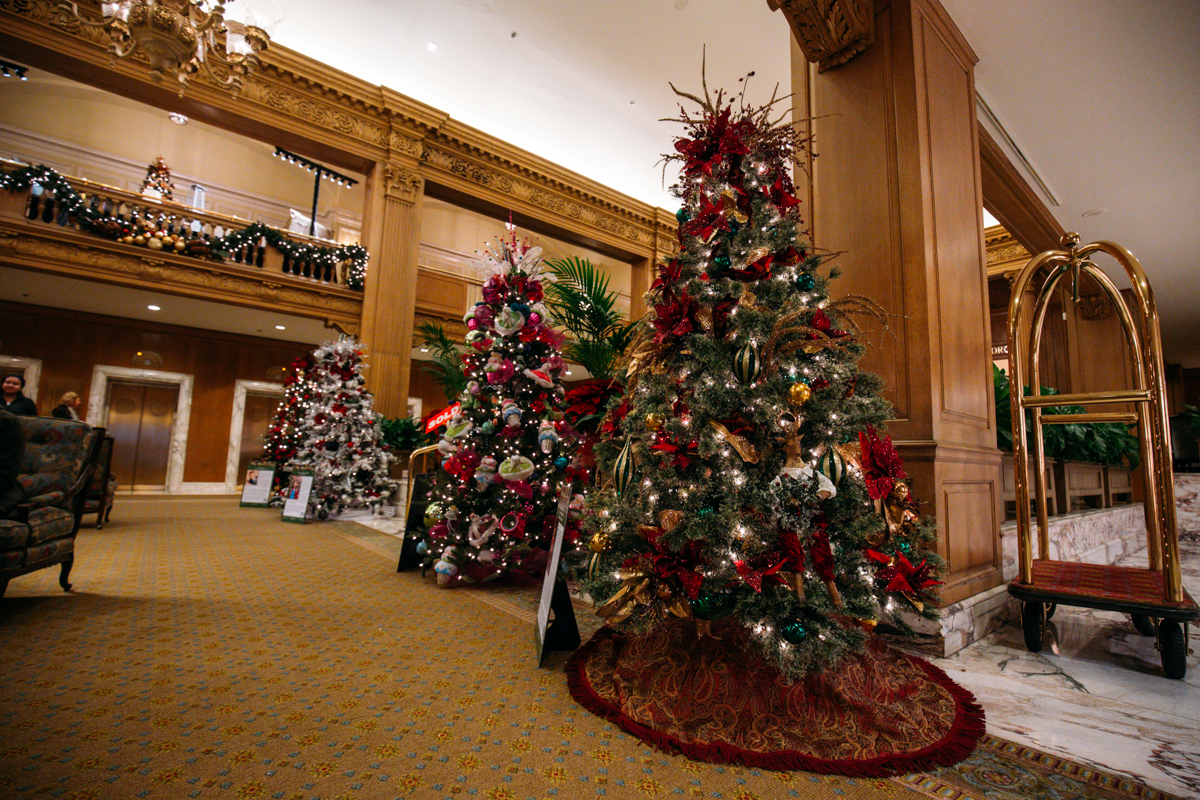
[(738, 443)]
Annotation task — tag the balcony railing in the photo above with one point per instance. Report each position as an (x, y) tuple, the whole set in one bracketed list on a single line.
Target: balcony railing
[(39, 194)]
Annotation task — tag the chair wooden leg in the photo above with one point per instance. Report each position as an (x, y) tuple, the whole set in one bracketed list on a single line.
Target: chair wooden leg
[(66, 571)]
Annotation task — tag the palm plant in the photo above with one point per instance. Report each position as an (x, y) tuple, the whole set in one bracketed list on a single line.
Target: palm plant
[(581, 303), (446, 368)]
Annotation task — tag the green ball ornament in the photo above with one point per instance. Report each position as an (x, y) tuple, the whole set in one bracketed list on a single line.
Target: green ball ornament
[(832, 465), (711, 605), (625, 469), (793, 632), (704, 512), (806, 283), (746, 364), (683, 215), (905, 547), (720, 264)]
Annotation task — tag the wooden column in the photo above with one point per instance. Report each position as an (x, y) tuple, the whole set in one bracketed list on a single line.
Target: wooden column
[(392, 232), (896, 189)]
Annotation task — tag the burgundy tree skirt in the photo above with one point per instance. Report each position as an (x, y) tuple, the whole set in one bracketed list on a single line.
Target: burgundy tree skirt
[(878, 714)]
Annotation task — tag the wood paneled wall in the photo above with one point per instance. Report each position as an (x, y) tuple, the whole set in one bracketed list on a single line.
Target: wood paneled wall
[(70, 343)]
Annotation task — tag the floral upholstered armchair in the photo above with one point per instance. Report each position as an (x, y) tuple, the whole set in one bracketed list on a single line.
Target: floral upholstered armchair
[(60, 456)]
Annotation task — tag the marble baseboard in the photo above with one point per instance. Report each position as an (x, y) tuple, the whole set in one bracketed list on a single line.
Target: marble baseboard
[(1187, 503), (1103, 536)]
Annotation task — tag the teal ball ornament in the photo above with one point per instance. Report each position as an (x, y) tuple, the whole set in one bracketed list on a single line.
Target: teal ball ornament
[(683, 215), (905, 547), (832, 465), (720, 264), (747, 365), (711, 605), (793, 632), (561, 462), (806, 282), (625, 469)]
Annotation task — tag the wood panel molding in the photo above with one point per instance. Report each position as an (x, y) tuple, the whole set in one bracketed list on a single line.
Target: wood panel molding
[(829, 32), (59, 251)]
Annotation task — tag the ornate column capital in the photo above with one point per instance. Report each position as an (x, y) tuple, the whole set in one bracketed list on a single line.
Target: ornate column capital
[(402, 183), (829, 32)]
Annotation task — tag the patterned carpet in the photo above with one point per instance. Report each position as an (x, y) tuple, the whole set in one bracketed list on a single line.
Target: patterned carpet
[(210, 651)]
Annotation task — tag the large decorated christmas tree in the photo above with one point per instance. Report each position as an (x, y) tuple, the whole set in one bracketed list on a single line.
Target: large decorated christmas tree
[(508, 448), (751, 492), (342, 438)]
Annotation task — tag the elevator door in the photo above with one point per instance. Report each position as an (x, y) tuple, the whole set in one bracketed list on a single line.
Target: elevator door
[(140, 418), (260, 411)]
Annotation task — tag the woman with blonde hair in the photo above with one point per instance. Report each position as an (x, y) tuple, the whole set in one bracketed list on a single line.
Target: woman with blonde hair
[(67, 405)]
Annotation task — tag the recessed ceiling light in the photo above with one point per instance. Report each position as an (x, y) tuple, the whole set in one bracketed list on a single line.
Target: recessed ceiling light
[(1094, 212), (681, 3), (177, 118), (432, 46), (631, 102), (154, 308), (280, 328)]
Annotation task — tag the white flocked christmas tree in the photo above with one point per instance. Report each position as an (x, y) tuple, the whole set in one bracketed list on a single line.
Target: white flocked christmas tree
[(343, 439)]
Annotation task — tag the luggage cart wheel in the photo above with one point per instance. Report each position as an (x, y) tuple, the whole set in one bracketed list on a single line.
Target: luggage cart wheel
[(1033, 619), (1050, 609), (1172, 646), (1143, 623)]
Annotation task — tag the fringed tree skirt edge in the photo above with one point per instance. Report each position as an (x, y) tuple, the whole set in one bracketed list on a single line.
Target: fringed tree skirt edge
[(878, 714)]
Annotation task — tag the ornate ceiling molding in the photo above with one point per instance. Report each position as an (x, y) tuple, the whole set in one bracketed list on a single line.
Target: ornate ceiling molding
[(352, 124), (486, 177), (829, 32)]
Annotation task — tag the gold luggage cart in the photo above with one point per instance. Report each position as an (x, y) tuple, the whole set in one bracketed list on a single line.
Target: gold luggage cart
[(418, 464), (1154, 597)]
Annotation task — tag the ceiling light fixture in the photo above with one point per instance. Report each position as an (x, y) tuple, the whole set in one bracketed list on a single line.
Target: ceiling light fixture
[(154, 308), (177, 118), (280, 327), (181, 36), (432, 46), (10, 70), (321, 171)]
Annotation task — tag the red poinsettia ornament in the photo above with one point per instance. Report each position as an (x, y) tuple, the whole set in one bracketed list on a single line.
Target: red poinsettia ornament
[(881, 464)]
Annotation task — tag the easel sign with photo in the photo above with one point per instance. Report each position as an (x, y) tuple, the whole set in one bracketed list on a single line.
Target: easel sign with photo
[(561, 633), (256, 491), (295, 502)]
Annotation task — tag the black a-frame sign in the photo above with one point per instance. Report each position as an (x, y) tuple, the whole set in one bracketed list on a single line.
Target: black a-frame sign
[(561, 632)]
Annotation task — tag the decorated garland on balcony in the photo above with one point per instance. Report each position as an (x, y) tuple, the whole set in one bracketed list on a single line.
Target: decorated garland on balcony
[(42, 179)]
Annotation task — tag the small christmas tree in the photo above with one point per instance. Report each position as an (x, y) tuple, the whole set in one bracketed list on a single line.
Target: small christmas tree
[(749, 485), (342, 437), (283, 438), (157, 182), (508, 448)]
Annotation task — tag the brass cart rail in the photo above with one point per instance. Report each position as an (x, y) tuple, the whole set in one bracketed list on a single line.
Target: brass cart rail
[(1152, 594)]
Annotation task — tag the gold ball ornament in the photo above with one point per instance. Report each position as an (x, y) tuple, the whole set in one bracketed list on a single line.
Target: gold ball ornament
[(155, 243), (654, 421), (799, 393), (139, 239), (180, 245), (599, 542)]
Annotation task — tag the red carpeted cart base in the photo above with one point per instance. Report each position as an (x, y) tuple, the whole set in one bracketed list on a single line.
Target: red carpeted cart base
[(879, 714)]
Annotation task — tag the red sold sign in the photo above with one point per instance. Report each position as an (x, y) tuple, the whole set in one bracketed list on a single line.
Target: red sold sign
[(441, 418)]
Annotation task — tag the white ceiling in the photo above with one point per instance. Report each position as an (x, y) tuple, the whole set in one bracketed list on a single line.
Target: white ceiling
[(1097, 94)]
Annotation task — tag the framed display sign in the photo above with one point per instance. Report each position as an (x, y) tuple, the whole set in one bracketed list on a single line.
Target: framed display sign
[(561, 633), (295, 498), (256, 490)]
